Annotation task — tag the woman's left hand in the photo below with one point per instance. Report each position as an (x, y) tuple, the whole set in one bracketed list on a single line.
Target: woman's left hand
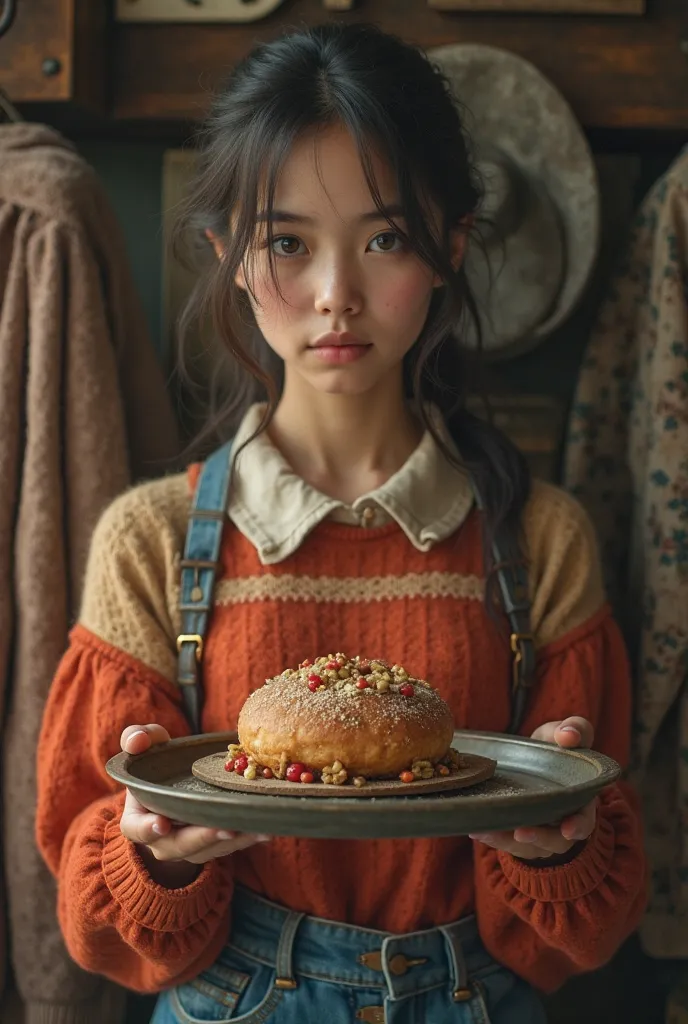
[(551, 841)]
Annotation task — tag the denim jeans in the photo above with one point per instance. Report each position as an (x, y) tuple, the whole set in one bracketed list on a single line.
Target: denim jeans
[(281, 967)]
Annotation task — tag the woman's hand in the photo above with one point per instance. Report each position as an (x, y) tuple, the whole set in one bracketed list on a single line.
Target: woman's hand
[(172, 851), (553, 842)]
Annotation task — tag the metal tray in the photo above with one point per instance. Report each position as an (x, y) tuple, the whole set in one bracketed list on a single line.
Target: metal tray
[(535, 783)]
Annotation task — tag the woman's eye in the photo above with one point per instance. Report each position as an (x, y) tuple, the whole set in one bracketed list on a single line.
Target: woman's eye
[(387, 241), (287, 245)]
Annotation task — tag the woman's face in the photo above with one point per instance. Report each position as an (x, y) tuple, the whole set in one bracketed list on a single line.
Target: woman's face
[(352, 299)]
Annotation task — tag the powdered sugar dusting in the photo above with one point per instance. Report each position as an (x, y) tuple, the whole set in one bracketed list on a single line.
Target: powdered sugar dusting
[(354, 693)]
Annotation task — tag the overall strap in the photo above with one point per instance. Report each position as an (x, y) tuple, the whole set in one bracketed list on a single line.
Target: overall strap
[(512, 577), (199, 567)]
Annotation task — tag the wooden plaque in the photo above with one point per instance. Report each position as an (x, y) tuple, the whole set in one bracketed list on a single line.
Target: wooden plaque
[(181, 10)]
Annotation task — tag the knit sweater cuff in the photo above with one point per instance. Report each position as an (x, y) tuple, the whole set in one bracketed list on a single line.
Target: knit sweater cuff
[(579, 877), (152, 905)]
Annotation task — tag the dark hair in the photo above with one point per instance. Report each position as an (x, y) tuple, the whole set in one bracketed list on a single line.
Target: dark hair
[(385, 92)]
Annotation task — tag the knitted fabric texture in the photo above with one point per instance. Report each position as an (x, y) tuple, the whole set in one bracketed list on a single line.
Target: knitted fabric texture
[(356, 590), (83, 411)]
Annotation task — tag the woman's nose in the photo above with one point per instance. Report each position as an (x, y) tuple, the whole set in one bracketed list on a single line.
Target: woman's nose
[(338, 291)]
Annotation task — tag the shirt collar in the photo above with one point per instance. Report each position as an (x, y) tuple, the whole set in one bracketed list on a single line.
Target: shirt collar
[(428, 497)]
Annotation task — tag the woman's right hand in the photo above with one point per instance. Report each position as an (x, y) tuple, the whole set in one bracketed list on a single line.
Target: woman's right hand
[(172, 851)]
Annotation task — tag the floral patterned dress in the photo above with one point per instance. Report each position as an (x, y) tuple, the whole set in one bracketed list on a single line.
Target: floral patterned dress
[(626, 459)]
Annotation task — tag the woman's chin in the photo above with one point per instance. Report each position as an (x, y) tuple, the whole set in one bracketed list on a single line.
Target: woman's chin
[(352, 380)]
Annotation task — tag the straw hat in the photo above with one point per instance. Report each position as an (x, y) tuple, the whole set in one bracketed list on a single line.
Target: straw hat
[(541, 196)]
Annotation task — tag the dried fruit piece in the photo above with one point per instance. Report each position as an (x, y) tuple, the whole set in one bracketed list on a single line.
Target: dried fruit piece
[(407, 777), (241, 764), (443, 770), (294, 772), (306, 777), (229, 766), (267, 773), (314, 678), (250, 772), (358, 781), (362, 684), (313, 686), (407, 690)]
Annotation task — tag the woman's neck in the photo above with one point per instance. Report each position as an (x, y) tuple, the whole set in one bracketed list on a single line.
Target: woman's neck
[(344, 445)]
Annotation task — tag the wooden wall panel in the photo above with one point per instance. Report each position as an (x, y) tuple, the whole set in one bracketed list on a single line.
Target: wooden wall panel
[(616, 72), (54, 51), (619, 7)]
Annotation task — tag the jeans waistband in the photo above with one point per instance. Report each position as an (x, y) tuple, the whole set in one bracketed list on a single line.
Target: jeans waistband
[(399, 965)]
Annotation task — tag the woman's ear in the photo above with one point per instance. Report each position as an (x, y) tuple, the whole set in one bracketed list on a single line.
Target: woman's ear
[(458, 241), (216, 242), (221, 251)]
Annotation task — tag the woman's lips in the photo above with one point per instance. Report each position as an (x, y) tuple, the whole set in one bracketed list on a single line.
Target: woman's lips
[(341, 353), (339, 348)]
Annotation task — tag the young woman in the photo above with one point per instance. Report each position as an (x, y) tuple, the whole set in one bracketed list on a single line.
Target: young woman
[(336, 190)]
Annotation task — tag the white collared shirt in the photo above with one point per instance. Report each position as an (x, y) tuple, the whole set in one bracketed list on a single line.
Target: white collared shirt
[(274, 508)]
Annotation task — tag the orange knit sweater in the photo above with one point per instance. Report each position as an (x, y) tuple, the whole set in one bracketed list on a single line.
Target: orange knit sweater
[(355, 590)]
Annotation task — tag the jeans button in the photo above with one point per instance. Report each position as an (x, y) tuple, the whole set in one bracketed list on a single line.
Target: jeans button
[(462, 995)]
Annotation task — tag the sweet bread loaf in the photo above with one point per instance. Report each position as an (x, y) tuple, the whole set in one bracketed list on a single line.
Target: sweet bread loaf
[(338, 720)]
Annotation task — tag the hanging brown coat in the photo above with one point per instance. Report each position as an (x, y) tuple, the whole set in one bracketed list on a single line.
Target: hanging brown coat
[(83, 412)]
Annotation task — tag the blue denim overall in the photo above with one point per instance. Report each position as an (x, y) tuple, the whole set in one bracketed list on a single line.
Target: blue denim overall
[(283, 967)]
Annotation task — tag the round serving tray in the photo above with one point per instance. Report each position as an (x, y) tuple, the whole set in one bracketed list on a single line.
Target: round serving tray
[(473, 770), (535, 783)]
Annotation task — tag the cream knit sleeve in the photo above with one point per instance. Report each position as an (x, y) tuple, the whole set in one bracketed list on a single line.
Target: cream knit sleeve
[(564, 572), (131, 590)]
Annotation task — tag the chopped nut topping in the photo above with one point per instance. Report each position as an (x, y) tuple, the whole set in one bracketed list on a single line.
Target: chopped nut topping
[(337, 672)]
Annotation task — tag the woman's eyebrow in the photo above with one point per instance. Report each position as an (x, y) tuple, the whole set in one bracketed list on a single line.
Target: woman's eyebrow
[(286, 217)]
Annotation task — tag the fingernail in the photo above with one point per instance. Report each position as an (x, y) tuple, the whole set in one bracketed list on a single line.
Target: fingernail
[(262, 839), (139, 732), (569, 728), (524, 836), (225, 835), (479, 837), (158, 829)]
